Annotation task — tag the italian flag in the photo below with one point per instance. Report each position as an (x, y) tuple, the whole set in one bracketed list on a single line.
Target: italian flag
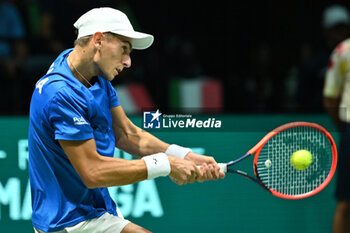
[(201, 95)]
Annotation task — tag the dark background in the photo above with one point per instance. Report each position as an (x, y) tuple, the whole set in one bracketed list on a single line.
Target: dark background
[(261, 51)]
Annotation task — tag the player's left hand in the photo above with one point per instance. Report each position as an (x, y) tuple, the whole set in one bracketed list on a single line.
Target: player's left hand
[(208, 165)]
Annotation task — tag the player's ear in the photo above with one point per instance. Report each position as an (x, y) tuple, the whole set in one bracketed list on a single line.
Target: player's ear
[(97, 39)]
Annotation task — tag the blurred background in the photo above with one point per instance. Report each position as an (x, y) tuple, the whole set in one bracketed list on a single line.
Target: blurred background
[(257, 56), (252, 61)]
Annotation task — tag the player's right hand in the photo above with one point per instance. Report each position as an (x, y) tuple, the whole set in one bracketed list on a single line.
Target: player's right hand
[(183, 171)]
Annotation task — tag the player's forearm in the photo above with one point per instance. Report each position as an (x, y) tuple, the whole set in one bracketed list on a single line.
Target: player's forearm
[(133, 139), (107, 172), (141, 143), (96, 170)]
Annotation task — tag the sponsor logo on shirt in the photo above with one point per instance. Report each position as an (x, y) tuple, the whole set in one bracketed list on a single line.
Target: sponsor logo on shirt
[(79, 121)]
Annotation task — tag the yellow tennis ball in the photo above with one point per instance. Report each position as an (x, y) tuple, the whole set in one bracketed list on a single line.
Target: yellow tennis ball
[(301, 159)]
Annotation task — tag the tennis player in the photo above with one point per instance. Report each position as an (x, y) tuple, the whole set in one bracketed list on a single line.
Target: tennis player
[(75, 123), (337, 101)]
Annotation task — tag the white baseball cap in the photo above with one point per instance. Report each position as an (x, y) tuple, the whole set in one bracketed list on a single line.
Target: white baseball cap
[(334, 15), (106, 19)]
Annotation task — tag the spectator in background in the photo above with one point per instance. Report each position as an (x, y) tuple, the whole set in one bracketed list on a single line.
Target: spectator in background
[(259, 83), (336, 20), (337, 102), (13, 51), (53, 35), (303, 54)]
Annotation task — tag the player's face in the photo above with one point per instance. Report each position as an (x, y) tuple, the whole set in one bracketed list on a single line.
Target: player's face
[(114, 56)]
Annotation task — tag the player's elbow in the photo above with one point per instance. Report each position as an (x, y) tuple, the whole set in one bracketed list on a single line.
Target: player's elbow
[(90, 178), (90, 181), (90, 184)]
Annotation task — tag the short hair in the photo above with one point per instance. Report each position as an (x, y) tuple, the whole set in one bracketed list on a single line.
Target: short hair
[(83, 41)]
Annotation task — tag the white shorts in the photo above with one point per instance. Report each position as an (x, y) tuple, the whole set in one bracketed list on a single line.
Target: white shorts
[(107, 223)]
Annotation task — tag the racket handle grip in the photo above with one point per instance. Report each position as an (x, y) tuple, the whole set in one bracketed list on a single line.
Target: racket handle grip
[(223, 167)]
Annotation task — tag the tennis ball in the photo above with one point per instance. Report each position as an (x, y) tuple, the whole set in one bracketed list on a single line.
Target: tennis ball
[(268, 163), (301, 159)]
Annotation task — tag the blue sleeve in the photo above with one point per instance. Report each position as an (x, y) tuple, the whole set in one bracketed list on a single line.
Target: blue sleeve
[(68, 115), (112, 95)]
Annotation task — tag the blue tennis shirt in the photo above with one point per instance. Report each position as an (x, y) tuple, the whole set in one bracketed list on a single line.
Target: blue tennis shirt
[(62, 108)]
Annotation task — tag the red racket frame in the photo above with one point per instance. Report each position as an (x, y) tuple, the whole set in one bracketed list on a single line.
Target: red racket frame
[(257, 148)]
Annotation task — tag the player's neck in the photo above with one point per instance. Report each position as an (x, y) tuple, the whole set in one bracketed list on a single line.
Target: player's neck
[(81, 66)]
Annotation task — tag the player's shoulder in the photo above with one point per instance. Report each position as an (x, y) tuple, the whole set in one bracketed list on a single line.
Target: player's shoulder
[(51, 85), (55, 88)]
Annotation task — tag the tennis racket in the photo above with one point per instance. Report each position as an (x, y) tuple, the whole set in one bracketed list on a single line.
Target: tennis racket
[(272, 166)]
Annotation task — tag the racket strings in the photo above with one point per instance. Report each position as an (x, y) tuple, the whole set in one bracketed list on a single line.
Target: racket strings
[(281, 176)]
